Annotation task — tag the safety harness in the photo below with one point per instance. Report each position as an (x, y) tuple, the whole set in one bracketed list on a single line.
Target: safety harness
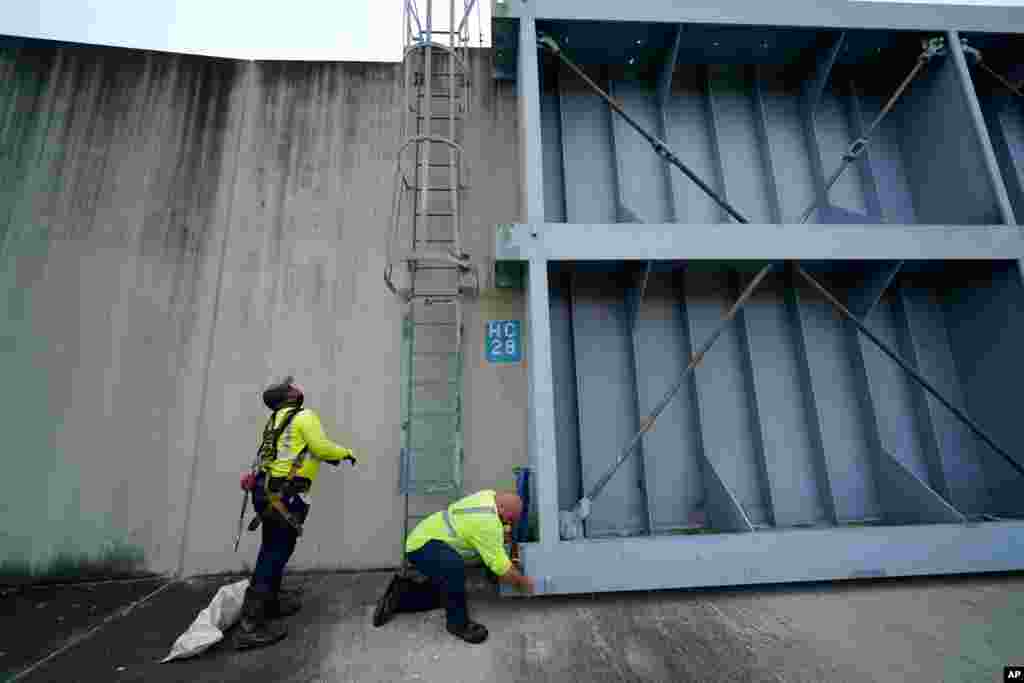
[(267, 454)]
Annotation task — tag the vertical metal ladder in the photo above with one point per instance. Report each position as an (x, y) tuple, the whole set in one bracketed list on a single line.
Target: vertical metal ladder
[(434, 273)]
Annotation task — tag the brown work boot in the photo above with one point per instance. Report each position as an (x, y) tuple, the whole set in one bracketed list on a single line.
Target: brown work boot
[(253, 629), (471, 632)]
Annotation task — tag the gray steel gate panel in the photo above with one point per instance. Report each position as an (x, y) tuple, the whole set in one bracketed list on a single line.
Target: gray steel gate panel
[(563, 368), (734, 115), (606, 392), (554, 181), (672, 456), (726, 423), (837, 400), (690, 134), (990, 368), (938, 135), (587, 158), (891, 392), (787, 143), (883, 159), (639, 173), (956, 446), (1004, 119), (789, 445)]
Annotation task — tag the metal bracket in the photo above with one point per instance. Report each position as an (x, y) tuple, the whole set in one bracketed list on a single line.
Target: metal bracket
[(933, 47), (544, 40), (972, 52), (855, 149)]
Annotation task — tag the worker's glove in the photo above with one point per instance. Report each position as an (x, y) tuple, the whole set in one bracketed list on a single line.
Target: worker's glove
[(248, 481), (351, 458)]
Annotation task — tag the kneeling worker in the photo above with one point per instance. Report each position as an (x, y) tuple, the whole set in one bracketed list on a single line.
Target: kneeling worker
[(438, 548)]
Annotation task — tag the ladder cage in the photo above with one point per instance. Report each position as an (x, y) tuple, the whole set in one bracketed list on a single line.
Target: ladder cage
[(427, 268)]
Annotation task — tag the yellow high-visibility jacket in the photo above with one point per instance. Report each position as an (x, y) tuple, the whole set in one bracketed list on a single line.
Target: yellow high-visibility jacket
[(471, 526), (305, 430)]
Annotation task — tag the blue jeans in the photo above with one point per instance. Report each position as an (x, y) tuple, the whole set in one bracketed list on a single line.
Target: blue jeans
[(446, 571), (278, 542)]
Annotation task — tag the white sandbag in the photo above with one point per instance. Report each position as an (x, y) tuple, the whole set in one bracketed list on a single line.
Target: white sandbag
[(208, 628)]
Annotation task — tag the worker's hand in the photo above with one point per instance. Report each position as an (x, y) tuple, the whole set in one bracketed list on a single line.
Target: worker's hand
[(528, 586), (351, 458)]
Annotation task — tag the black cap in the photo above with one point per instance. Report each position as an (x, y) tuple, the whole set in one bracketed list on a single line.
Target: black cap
[(277, 395)]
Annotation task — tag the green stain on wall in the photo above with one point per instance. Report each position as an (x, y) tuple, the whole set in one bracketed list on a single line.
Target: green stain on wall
[(114, 559), (44, 532)]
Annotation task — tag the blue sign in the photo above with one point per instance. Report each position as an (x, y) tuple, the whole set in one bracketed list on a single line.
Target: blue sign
[(503, 343)]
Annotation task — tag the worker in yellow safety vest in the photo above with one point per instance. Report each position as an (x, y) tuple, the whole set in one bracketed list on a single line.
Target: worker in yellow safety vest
[(294, 445), (440, 545)]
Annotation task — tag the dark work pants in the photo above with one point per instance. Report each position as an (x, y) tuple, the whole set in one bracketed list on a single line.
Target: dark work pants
[(446, 571), (278, 542)]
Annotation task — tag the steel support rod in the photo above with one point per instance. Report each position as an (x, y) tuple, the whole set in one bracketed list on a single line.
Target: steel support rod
[(908, 369), (660, 148), (932, 48), (1002, 80), (465, 15), (583, 507)]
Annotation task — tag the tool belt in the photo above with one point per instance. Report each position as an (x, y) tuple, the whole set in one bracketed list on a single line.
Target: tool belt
[(276, 490)]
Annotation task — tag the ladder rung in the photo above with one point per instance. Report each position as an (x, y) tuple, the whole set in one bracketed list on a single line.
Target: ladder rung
[(434, 189), (414, 110), (441, 118), (435, 213)]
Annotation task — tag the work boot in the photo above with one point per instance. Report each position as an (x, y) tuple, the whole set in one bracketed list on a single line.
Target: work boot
[(387, 606), (471, 632), (253, 630), (284, 604)]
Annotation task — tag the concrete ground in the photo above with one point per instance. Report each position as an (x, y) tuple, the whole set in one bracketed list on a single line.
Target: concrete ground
[(948, 629)]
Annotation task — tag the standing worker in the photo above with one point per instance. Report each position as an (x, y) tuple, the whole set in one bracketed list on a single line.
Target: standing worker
[(438, 548), (293, 446)]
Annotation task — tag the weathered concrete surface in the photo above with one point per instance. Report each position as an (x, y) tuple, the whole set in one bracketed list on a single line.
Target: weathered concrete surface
[(174, 233), (304, 294), (110, 215), (954, 629)]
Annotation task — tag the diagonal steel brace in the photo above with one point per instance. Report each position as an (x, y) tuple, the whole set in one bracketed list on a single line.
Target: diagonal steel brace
[(963, 417), (570, 523), (660, 148)]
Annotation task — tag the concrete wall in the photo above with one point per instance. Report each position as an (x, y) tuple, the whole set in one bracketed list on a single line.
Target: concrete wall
[(178, 231)]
